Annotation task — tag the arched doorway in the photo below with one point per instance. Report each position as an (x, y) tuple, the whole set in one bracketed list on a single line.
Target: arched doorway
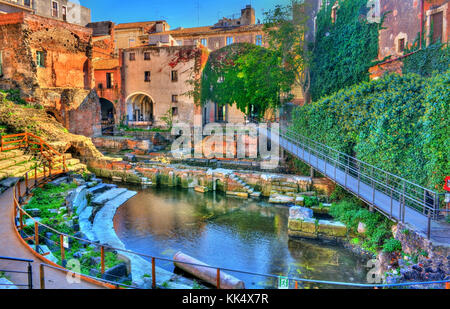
[(140, 110), (108, 113)]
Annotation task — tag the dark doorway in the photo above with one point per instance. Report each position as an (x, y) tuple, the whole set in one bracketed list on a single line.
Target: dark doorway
[(108, 116)]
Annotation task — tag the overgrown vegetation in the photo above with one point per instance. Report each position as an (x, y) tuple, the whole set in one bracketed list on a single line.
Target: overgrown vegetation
[(434, 58), (378, 235), (257, 78), (343, 51), (50, 200), (13, 95), (397, 123)]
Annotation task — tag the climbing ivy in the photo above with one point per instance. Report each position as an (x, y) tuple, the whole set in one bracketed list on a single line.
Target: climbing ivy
[(434, 58), (397, 123), (343, 50)]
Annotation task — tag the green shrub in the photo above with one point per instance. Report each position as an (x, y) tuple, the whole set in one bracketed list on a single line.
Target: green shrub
[(392, 245), (378, 228), (311, 201)]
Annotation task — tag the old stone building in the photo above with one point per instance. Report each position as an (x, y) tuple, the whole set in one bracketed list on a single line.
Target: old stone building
[(129, 35), (156, 84), (405, 22), (225, 32), (50, 61), (63, 10), (107, 73)]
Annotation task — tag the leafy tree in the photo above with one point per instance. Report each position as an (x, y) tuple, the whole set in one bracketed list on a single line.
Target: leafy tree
[(257, 78)]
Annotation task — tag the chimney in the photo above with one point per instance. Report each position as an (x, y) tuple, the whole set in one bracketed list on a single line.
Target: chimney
[(159, 27), (248, 16)]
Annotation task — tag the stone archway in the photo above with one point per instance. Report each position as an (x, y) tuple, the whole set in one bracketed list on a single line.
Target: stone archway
[(140, 109), (108, 116)]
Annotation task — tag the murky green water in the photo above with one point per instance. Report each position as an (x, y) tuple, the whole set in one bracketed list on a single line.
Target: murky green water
[(230, 233)]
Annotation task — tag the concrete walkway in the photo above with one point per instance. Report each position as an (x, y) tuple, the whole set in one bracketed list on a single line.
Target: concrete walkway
[(10, 246)]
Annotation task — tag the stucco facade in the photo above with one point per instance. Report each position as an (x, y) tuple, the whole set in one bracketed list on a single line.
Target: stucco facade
[(156, 82), (62, 10), (402, 26)]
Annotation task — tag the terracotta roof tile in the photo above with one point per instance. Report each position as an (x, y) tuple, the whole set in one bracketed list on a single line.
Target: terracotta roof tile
[(105, 64), (136, 25), (212, 30)]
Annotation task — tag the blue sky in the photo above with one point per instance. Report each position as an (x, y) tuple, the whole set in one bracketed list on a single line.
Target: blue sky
[(176, 12)]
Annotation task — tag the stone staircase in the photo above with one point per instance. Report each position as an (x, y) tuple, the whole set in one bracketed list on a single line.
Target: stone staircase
[(16, 163), (251, 192), (144, 180)]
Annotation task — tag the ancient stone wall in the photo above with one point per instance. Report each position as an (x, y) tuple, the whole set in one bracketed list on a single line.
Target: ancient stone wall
[(435, 255), (62, 82)]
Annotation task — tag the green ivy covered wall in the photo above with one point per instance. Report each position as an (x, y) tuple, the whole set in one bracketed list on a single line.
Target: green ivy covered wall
[(344, 49)]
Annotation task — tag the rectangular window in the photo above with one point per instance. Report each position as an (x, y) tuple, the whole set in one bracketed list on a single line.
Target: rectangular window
[(27, 3), (174, 76), (180, 43), (64, 13), (174, 111), (437, 25), (109, 81), (204, 42), (401, 45), (40, 59), (132, 56), (147, 56), (174, 98), (55, 10), (258, 40), (230, 40), (147, 76), (100, 86), (131, 42)]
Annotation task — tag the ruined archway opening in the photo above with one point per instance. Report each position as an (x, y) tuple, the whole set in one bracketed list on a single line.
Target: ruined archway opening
[(52, 115), (140, 110), (74, 152)]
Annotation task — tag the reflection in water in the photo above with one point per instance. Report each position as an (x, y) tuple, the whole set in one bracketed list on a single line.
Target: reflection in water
[(230, 233)]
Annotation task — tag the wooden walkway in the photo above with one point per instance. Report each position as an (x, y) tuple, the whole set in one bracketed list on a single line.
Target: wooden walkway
[(11, 246), (440, 231)]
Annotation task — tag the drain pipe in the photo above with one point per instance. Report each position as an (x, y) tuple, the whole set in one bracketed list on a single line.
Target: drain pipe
[(422, 13)]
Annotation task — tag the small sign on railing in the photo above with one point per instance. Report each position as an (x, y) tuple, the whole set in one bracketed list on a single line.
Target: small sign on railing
[(66, 242), (283, 283)]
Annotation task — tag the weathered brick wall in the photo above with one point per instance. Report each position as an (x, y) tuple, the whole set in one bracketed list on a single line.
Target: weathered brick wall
[(63, 86), (18, 70)]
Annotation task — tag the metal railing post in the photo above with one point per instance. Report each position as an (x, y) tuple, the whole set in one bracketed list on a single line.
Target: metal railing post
[(102, 259), (218, 279), (153, 274), (63, 253), (36, 236), (30, 276), (404, 204), (42, 276), (27, 191), (429, 226)]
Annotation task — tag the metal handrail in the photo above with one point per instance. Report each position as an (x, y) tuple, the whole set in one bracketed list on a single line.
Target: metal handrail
[(153, 259), (28, 139), (29, 271), (362, 166)]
